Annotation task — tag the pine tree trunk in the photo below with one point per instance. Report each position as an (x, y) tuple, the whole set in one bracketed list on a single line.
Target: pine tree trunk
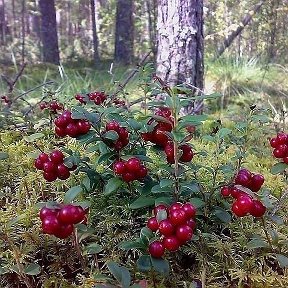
[(95, 37), (124, 35), (49, 31), (180, 42)]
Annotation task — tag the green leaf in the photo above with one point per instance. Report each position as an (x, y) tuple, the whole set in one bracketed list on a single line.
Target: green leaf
[(3, 270), (197, 202), (121, 273), (3, 155), (128, 245), (257, 243), (93, 248), (166, 182), (33, 137), (112, 185), (104, 157), (223, 132), (72, 193), (223, 215), (279, 168), (111, 135), (161, 215), (283, 260), (79, 112), (32, 269), (146, 234), (142, 201), (144, 263), (160, 265)]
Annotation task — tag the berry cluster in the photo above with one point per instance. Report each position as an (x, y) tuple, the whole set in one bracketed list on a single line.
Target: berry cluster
[(53, 106), (175, 230), (158, 136), (245, 204), (186, 156), (280, 145), (130, 170), (65, 125), (52, 166), (119, 102), (123, 135), (97, 97), (59, 221)]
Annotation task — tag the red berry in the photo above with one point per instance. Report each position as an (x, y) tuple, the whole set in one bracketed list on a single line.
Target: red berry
[(119, 167), (184, 233), (258, 209), (83, 126), (152, 224), (61, 121), (50, 224), (187, 154), (225, 191), (282, 138), (159, 137), (72, 130), (71, 214), (189, 210), (50, 177), (146, 136), (166, 228), (142, 172), (156, 249), (274, 142), (113, 125), (49, 167), (280, 151), (285, 159), (133, 164), (245, 172), (128, 177), (191, 223), (178, 217), (67, 115), (60, 132), (237, 210), (175, 206), (243, 206), (38, 164), (171, 243), (63, 172), (43, 105), (169, 150), (56, 156), (256, 182), (123, 133), (235, 192), (159, 208), (242, 179), (43, 157), (45, 212), (64, 231)]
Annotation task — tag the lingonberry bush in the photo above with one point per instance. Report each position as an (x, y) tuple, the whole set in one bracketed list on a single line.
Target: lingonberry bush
[(179, 188)]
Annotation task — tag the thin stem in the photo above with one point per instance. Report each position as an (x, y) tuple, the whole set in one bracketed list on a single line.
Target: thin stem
[(78, 249), (266, 233)]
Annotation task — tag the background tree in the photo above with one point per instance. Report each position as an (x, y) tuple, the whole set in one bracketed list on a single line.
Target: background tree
[(49, 31), (124, 34), (95, 37)]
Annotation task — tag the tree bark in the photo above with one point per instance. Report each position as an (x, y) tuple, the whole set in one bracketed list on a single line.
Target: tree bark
[(180, 42), (95, 37), (151, 11), (245, 21), (124, 35), (49, 31)]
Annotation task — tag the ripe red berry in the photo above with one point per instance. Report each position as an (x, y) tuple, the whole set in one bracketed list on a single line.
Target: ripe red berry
[(49, 167), (56, 156), (45, 212), (50, 224), (133, 164), (156, 249), (61, 121), (256, 182), (60, 132), (63, 172), (282, 138), (152, 224), (242, 179), (38, 164), (280, 151), (123, 133), (243, 205), (72, 130), (235, 192), (274, 142), (128, 177), (166, 228), (189, 210), (146, 136), (159, 137), (171, 243), (71, 214), (245, 172), (43, 157), (50, 176), (258, 209), (113, 125), (43, 105), (119, 167), (177, 217), (225, 191), (64, 231), (83, 126), (191, 223), (237, 210), (176, 206), (142, 172), (184, 233), (187, 153), (169, 150)]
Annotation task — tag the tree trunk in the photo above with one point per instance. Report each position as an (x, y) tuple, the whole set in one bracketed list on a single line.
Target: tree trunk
[(124, 35), (151, 11), (23, 32), (180, 42), (245, 21), (3, 23), (49, 31), (94, 29)]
